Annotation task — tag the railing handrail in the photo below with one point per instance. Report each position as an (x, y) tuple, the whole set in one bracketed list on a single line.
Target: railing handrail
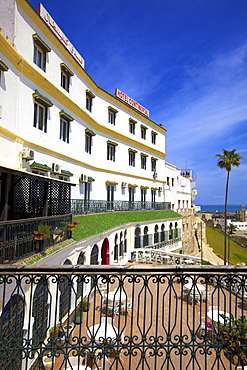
[(33, 219), (123, 269)]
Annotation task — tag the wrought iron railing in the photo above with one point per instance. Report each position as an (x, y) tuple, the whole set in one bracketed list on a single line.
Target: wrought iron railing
[(139, 317), (17, 239), (80, 206)]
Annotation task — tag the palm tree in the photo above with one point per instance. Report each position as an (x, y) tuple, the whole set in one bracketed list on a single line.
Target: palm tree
[(226, 160)]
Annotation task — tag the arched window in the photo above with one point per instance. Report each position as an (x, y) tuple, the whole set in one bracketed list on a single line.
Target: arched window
[(64, 285), (80, 261), (176, 230), (137, 237), (145, 236), (125, 241), (116, 248), (121, 248), (12, 334), (162, 234), (170, 231), (156, 234), (40, 312), (94, 255)]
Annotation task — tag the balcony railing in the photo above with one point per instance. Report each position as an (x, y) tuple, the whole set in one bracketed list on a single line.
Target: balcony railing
[(17, 237), (79, 206), (139, 317)]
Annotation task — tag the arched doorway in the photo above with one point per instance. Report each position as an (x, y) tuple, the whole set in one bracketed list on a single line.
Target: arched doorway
[(12, 321), (105, 255), (40, 311), (116, 248), (80, 280), (65, 293)]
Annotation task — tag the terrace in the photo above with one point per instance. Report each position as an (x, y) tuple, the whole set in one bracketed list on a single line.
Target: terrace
[(139, 317)]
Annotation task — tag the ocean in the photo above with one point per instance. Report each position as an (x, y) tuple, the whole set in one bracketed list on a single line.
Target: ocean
[(220, 208)]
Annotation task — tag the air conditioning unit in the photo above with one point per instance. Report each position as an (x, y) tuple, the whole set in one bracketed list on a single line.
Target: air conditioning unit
[(56, 168), (83, 178), (155, 175), (160, 190), (124, 184), (28, 153)]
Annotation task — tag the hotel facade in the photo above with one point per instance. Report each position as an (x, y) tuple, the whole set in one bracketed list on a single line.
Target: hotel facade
[(56, 122)]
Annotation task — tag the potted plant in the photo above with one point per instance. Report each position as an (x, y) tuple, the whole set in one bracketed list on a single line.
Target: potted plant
[(47, 361), (42, 232), (85, 305), (233, 335), (54, 331), (71, 226)]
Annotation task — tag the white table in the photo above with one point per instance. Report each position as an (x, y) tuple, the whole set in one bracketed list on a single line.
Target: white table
[(103, 331), (189, 261), (76, 367), (199, 287), (215, 315)]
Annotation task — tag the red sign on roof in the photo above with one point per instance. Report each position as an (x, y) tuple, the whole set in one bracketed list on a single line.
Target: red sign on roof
[(119, 94)]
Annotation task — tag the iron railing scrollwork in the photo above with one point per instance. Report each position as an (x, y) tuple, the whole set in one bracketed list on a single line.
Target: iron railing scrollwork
[(139, 317)]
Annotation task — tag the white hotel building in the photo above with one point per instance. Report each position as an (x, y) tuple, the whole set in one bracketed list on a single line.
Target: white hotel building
[(57, 123)]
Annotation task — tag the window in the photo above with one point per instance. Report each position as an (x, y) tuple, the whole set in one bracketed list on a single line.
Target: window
[(173, 181), (131, 158), (41, 104), (153, 164), (153, 195), (132, 126), (112, 115), (110, 193), (88, 140), (64, 130), (65, 81), (131, 194), (111, 152), (40, 117), (143, 162), (40, 51), (143, 132), (153, 137), (88, 143), (143, 195), (87, 187), (89, 100), (65, 120), (66, 73), (39, 57)]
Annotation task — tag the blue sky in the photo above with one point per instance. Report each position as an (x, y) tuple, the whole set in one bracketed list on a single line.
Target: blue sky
[(186, 62)]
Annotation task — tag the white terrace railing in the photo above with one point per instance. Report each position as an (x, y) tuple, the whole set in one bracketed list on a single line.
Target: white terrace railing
[(146, 255)]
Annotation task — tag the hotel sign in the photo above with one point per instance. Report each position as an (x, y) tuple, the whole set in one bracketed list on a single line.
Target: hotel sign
[(60, 35), (119, 94)]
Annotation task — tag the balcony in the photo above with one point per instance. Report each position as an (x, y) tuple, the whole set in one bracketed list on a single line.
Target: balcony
[(17, 239), (122, 317), (80, 206)]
